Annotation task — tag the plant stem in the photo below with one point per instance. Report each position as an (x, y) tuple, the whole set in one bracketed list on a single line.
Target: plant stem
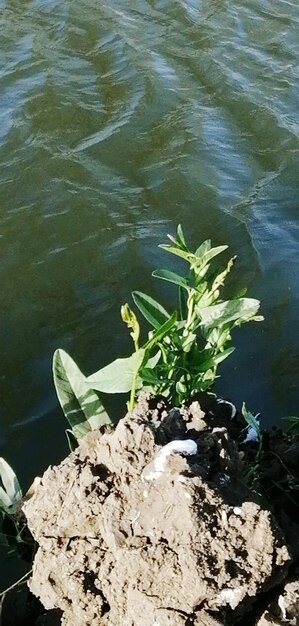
[(131, 404)]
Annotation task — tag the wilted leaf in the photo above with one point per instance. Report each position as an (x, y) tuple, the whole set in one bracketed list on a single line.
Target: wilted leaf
[(128, 316), (220, 278)]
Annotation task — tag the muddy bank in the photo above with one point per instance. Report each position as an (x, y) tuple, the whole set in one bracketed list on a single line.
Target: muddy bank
[(128, 537)]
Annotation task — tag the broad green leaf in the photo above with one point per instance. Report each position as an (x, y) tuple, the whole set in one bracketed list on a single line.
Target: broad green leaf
[(118, 376), (251, 420), (203, 248), (10, 493), (242, 309), (153, 312), (82, 407), (171, 277), (161, 332), (128, 316)]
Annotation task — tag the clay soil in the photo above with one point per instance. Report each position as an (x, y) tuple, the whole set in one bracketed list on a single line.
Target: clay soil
[(211, 540)]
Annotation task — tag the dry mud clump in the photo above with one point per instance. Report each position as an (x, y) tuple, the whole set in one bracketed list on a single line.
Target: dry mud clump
[(119, 544)]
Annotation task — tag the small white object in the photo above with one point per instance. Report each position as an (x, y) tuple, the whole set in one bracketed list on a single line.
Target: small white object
[(237, 511), (232, 596), (155, 468), (224, 517), (219, 430), (281, 605)]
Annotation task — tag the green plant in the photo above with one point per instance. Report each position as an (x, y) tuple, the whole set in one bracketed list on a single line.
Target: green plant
[(82, 407), (10, 491), (181, 354), (14, 532), (253, 425), (199, 338), (253, 433)]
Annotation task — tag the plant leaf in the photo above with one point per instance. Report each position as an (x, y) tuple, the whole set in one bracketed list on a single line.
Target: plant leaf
[(153, 361), (187, 256), (204, 247), (161, 332), (205, 252), (153, 312), (181, 238), (251, 420), (149, 376), (12, 493), (118, 376), (242, 309), (82, 407), (171, 277), (215, 360), (5, 502)]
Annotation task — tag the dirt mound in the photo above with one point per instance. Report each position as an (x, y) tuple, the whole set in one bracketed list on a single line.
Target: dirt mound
[(150, 525)]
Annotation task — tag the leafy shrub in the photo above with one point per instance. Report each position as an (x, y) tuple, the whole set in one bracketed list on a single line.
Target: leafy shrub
[(183, 349)]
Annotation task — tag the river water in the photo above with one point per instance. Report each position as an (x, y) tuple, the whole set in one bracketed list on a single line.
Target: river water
[(117, 122)]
